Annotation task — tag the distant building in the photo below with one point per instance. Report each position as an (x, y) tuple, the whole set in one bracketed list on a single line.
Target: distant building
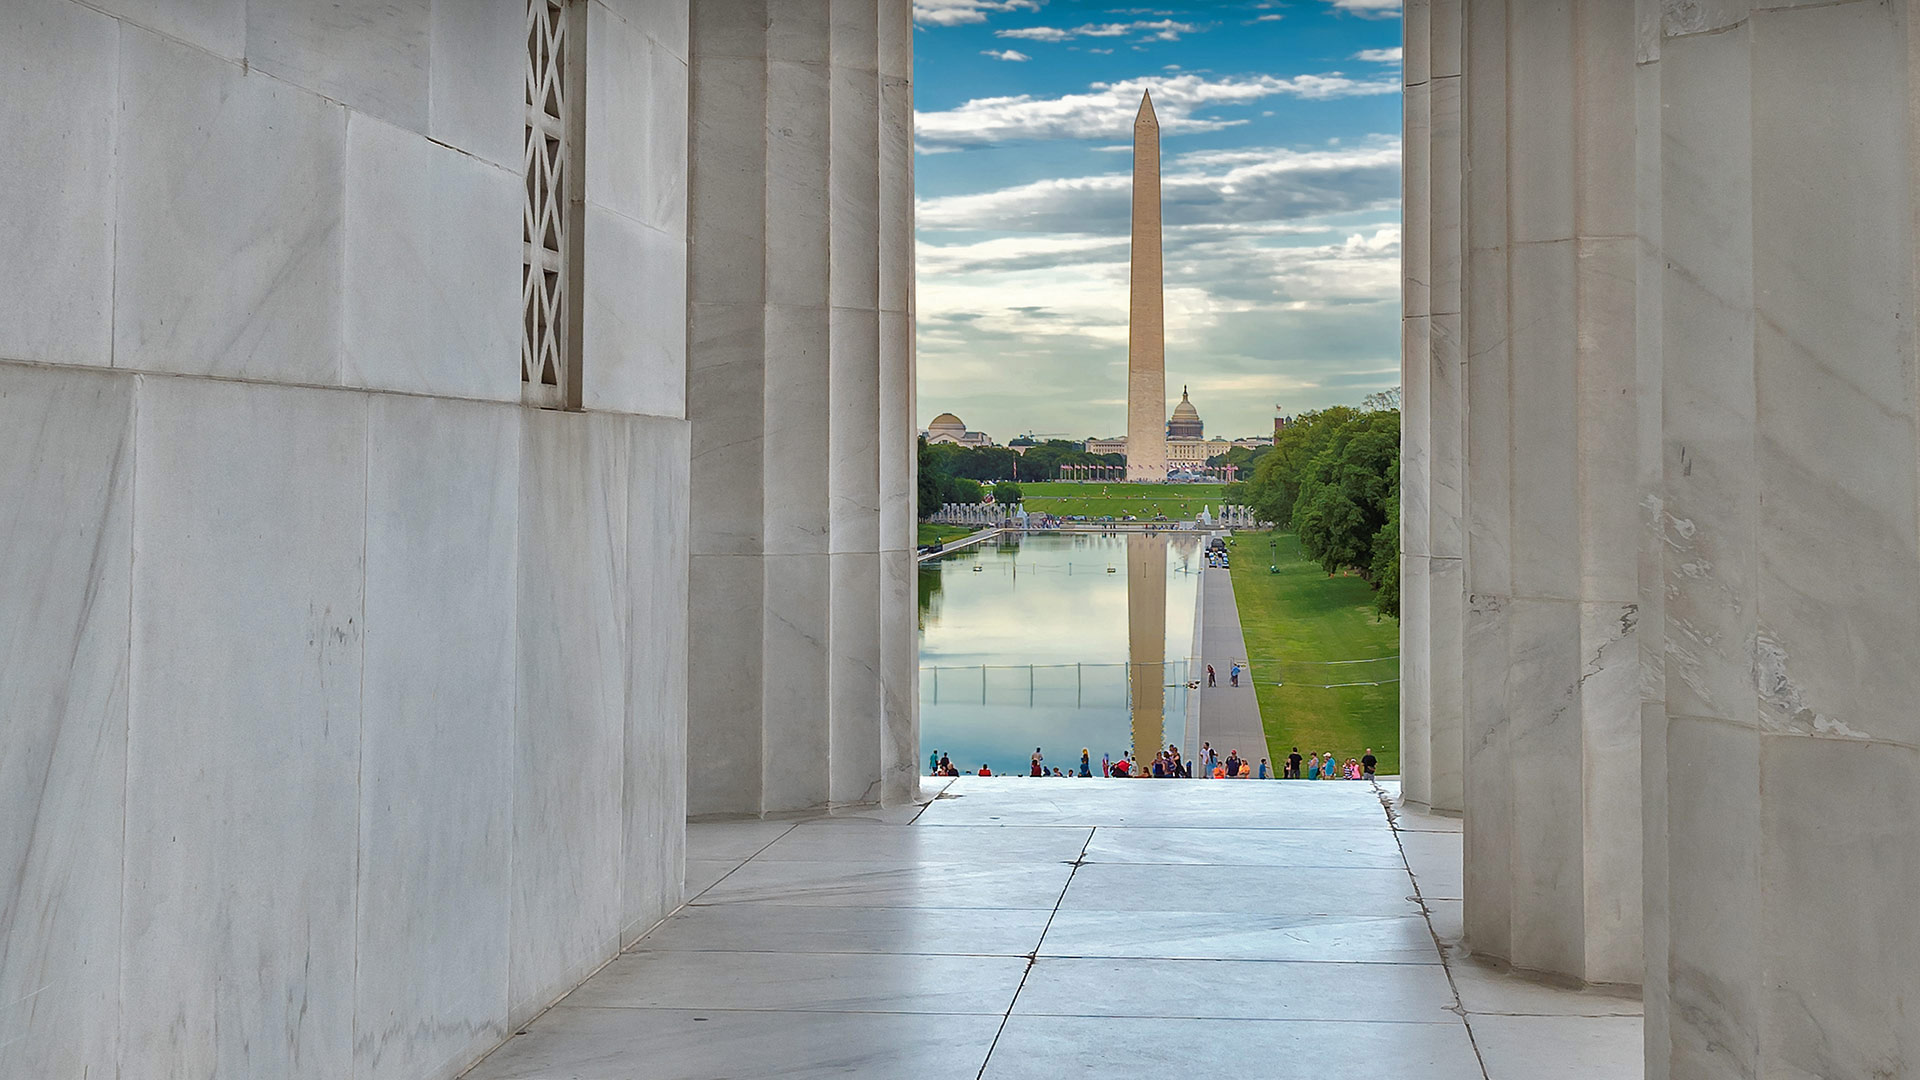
[(1022, 444), (1186, 420), (1107, 446), (1187, 445), (948, 428)]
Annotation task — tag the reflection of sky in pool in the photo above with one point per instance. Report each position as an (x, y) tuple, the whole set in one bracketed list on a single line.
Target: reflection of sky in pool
[(1031, 650)]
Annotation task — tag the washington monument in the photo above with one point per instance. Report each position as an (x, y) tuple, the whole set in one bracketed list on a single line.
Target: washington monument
[(1146, 322)]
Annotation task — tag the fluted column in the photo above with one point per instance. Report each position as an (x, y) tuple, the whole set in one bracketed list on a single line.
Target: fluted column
[(1792, 554), (788, 388), (1433, 448), (1552, 791)]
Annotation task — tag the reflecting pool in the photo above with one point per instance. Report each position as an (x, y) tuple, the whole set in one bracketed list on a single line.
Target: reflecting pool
[(1050, 640)]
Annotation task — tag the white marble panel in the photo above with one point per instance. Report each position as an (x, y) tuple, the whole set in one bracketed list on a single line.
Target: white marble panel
[(571, 718), (59, 65), (218, 26), (1610, 776), (1835, 360), (1708, 390), (1544, 740), (1044, 1047), (369, 55), (899, 679), (224, 270), (726, 373), (1446, 167), (1236, 989), (1604, 114), (725, 661), (634, 340), (636, 124), (797, 31), (1683, 17), (1444, 26), (66, 491), (1487, 825), (243, 752), (896, 39), (854, 701), (433, 259), (436, 780), (1446, 634), (1541, 168), (1486, 437), (1416, 242), (1563, 1047), (812, 982), (899, 465), (1839, 952), (729, 28), (1445, 439), (1611, 523), (726, 176), (1543, 383), (795, 495), (795, 696), (655, 776), (1714, 839), (853, 449), (665, 23), (476, 78), (799, 145), (896, 176), (1416, 680), (855, 174), (1417, 40), (1416, 435)]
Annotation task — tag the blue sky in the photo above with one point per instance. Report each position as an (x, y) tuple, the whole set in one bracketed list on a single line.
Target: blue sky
[(1280, 152)]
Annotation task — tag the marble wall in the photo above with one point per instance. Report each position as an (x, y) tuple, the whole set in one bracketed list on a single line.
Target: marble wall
[(345, 696), (800, 388), (1692, 421)]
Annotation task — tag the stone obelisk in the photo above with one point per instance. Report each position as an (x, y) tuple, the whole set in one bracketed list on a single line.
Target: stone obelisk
[(1146, 311)]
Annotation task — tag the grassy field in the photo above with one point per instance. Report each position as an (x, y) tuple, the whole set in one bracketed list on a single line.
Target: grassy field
[(940, 534), (1143, 501), (1298, 615)]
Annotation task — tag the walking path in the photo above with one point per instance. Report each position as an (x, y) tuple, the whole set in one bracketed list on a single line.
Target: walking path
[(1229, 715), (1020, 929)]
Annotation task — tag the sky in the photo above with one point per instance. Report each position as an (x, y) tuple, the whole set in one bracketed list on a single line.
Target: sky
[(1280, 166)]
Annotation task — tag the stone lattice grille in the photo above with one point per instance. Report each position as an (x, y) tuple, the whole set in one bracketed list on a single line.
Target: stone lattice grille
[(544, 285)]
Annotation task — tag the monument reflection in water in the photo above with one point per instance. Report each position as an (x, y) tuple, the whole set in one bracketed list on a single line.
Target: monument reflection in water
[(1060, 641)]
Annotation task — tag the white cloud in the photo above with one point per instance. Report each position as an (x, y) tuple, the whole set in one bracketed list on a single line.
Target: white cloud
[(958, 12), (1014, 55), (1268, 18), (1369, 9), (1379, 56), (1108, 108), (1156, 30)]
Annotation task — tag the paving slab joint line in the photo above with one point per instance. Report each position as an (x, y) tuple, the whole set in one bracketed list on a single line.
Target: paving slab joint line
[(1034, 956), (1426, 913)]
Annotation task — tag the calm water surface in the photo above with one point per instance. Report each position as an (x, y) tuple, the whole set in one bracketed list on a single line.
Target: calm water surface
[(1031, 649)]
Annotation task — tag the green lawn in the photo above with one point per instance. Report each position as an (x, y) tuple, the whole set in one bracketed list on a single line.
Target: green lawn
[(1097, 499), (940, 534), (1300, 614)]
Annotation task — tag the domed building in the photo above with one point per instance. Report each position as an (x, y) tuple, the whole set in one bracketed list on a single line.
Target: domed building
[(1186, 420), (948, 428), (1187, 445)]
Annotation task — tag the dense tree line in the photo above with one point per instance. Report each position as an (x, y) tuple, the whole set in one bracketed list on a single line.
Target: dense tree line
[(1333, 477), (941, 483), (990, 463)]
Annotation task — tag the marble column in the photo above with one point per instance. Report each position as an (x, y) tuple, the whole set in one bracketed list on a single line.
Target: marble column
[(1550, 663), (798, 384), (1790, 492), (1432, 453)]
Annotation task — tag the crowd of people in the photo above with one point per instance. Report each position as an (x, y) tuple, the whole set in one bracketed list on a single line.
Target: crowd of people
[(1208, 763)]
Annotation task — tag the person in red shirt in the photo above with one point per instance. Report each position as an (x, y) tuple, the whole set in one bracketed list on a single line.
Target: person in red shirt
[(984, 771)]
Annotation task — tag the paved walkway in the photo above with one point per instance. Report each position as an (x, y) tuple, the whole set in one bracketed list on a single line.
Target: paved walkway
[(1021, 929), (1229, 715)]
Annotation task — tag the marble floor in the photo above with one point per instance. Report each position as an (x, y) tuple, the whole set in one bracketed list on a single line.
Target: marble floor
[(1013, 929)]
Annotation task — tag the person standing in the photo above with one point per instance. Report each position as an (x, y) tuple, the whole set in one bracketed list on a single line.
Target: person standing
[(1086, 763), (1037, 759), (1233, 764), (933, 762), (1313, 766), (1264, 773), (1293, 764), (1367, 764), (1233, 674), (1210, 675)]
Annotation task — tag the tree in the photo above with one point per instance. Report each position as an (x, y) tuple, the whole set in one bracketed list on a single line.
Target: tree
[(932, 480), (1382, 400), (1006, 493), (962, 490)]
